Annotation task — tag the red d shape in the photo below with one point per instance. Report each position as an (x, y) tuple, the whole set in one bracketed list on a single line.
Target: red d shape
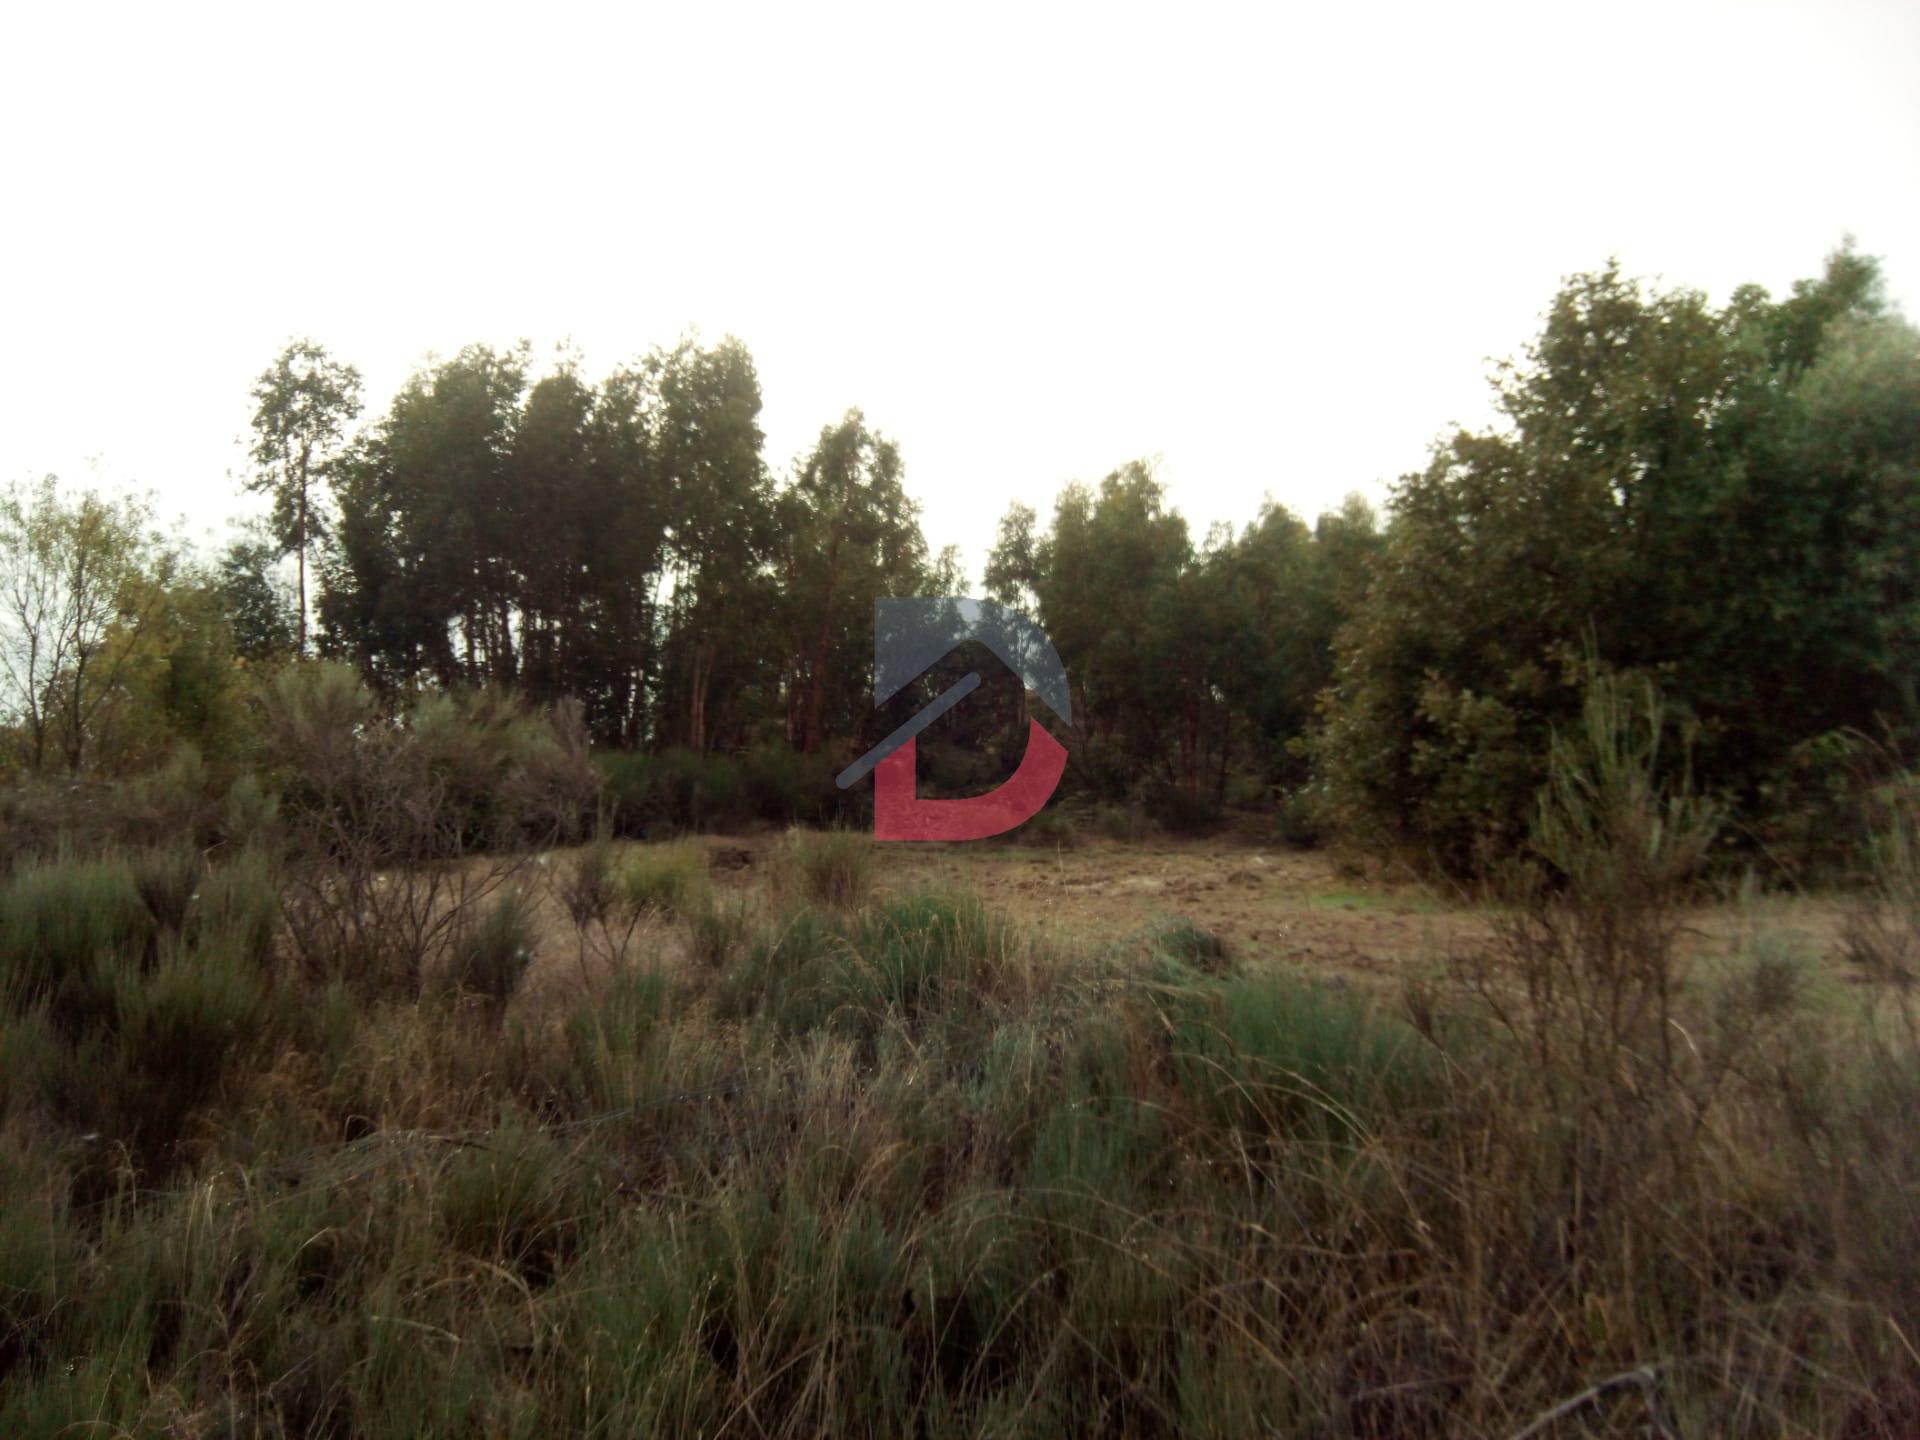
[(899, 814)]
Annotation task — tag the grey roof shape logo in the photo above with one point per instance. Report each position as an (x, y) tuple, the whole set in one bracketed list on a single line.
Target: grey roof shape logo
[(909, 635)]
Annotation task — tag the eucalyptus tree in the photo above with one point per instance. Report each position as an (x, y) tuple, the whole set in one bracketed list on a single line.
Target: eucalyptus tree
[(850, 535), (303, 403)]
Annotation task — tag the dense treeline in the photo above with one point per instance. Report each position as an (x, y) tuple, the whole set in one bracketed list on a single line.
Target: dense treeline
[(1719, 499)]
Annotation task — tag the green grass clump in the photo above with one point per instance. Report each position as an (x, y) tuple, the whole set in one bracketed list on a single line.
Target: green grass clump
[(668, 879), (1275, 1055), (1186, 943), (897, 964), (492, 954)]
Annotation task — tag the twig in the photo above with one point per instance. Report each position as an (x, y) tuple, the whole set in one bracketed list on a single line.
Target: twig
[(1642, 1379)]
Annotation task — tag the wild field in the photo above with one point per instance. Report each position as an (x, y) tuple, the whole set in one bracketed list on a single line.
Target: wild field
[(792, 1134), (1462, 984)]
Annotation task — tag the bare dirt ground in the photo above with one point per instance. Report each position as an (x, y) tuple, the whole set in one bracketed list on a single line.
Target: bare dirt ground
[(1299, 909)]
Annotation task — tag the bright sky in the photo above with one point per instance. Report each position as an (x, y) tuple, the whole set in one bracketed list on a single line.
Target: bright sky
[(1272, 247)]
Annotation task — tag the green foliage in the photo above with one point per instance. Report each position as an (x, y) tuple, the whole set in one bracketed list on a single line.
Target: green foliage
[(784, 786), (849, 535), (238, 901), (1050, 829), (1189, 664), (82, 580), (261, 612), (1657, 449)]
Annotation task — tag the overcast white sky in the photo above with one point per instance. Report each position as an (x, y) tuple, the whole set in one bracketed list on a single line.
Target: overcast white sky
[(1272, 247)]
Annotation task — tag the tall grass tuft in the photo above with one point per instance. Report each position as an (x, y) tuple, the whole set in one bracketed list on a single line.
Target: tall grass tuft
[(490, 957), (833, 868)]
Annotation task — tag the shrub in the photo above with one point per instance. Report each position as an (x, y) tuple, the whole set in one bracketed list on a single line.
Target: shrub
[(1049, 828), (588, 884), (626, 778), (1881, 934), (63, 924), (384, 819), (165, 1040), (1123, 822), (168, 880), (250, 814), (239, 901), (695, 791)]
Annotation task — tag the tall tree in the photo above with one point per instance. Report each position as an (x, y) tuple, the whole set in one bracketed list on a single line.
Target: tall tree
[(706, 448), (852, 535), (303, 403)]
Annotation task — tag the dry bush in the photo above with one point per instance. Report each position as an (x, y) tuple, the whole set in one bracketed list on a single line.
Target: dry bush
[(399, 831)]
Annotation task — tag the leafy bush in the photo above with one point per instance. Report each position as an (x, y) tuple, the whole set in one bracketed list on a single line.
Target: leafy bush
[(397, 829), (1126, 823), (676, 789)]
